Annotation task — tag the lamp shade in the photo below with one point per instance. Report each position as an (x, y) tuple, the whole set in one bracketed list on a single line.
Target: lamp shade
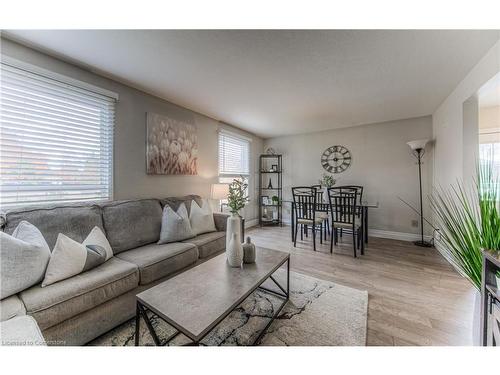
[(219, 191), (419, 144)]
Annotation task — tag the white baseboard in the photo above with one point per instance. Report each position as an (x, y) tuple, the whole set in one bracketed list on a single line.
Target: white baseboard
[(396, 235), (402, 236), (251, 223)]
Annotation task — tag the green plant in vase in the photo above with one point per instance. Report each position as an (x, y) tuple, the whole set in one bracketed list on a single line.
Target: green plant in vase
[(327, 180), (237, 198), (275, 200), (468, 221)]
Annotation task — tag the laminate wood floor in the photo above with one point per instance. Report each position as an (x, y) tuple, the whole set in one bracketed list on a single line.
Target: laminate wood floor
[(415, 296)]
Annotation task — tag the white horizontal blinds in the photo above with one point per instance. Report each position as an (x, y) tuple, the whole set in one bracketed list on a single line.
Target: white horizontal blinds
[(234, 155), (56, 140)]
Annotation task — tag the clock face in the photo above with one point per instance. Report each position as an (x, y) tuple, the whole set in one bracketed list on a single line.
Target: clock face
[(336, 159)]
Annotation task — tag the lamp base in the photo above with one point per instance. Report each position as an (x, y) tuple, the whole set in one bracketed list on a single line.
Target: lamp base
[(422, 244)]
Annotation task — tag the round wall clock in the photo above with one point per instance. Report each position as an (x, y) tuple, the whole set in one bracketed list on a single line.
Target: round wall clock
[(336, 159)]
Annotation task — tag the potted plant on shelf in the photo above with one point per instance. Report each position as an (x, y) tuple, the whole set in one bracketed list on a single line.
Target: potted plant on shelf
[(275, 199), (327, 180), (236, 200), (468, 220)]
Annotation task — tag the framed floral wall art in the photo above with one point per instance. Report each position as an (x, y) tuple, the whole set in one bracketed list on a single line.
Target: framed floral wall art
[(172, 146)]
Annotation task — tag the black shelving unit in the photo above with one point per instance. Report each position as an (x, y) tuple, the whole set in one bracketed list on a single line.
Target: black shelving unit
[(266, 211), (490, 299)]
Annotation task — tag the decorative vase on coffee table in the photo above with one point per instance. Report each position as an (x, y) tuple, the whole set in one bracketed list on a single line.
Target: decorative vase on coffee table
[(233, 226), (234, 252)]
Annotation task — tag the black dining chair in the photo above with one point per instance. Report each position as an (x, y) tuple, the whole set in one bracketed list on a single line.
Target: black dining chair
[(322, 209), (304, 202), (359, 200), (343, 213)]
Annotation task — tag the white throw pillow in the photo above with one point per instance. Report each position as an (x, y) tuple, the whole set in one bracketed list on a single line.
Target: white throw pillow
[(201, 218), (97, 237), (175, 226), (70, 258), (23, 259)]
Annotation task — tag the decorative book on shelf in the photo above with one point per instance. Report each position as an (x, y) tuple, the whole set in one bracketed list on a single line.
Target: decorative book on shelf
[(270, 189)]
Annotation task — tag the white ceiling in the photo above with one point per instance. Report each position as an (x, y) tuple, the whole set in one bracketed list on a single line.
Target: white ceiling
[(279, 82)]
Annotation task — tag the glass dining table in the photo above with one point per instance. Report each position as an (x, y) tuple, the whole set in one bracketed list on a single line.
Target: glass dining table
[(365, 206)]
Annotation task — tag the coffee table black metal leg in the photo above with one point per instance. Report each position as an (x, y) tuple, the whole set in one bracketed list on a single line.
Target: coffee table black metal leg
[(285, 300), (137, 323), (151, 330), (288, 279)]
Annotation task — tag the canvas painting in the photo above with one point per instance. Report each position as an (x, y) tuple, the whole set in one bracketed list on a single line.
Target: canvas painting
[(172, 146)]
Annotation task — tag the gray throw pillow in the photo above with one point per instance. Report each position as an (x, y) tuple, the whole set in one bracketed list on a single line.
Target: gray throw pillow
[(24, 257), (175, 226), (70, 258)]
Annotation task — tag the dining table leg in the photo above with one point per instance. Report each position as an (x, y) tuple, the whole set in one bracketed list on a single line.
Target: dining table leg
[(365, 223)]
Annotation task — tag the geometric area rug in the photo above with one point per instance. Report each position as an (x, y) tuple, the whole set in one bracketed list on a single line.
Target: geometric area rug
[(319, 313)]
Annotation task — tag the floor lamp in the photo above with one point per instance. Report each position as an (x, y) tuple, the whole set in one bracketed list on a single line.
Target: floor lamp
[(418, 150)]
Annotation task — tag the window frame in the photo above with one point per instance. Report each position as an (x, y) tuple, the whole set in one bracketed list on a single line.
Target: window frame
[(77, 86), (224, 177)]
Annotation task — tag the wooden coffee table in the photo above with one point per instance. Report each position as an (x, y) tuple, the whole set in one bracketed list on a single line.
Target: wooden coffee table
[(195, 301)]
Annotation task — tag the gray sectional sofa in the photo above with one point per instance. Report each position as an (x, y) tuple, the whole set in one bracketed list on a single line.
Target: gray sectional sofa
[(77, 310)]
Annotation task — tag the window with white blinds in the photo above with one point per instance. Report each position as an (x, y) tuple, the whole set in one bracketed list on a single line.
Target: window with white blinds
[(234, 155), (56, 140)]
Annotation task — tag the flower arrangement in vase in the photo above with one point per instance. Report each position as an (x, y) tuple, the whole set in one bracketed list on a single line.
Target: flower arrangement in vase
[(237, 199), (327, 180)]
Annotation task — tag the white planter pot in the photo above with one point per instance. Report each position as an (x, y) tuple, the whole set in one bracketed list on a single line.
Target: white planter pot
[(233, 226)]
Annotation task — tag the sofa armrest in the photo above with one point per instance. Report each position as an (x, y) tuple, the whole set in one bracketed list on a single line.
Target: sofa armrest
[(21, 330), (220, 221)]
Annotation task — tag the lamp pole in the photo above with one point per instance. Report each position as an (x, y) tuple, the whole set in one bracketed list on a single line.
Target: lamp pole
[(419, 153)]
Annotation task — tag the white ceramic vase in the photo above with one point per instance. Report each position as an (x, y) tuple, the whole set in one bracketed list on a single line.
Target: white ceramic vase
[(234, 252), (233, 226), (234, 249)]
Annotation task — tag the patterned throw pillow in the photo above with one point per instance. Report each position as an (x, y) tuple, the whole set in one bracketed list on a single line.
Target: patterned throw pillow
[(24, 257), (97, 237), (175, 226), (202, 218), (70, 258)]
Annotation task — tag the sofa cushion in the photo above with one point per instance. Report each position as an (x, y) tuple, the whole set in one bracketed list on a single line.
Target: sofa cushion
[(24, 257), (202, 218), (175, 226), (175, 202), (70, 258), (130, 224), (220, 220), (60, 301), (75, 221), (209, 243), (157, 261), (10, 307), (21, 331)]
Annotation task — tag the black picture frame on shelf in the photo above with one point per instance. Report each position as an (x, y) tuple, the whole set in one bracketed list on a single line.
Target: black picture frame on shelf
[(274, 168)]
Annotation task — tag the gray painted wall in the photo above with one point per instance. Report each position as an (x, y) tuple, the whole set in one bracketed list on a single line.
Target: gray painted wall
[(130, 178), (382, 163)]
